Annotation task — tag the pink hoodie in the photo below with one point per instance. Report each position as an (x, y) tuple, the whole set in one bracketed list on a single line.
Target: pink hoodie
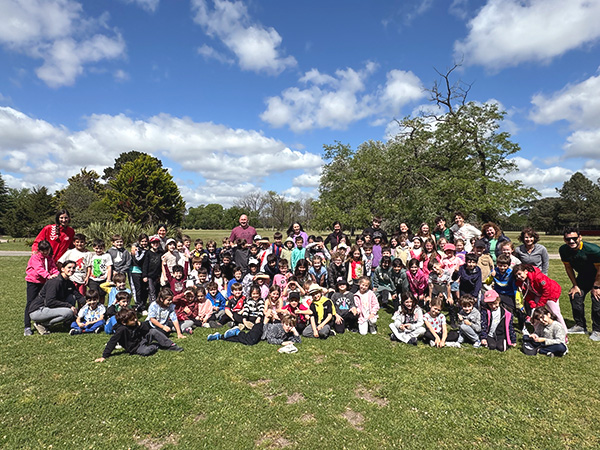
[(40, 268)]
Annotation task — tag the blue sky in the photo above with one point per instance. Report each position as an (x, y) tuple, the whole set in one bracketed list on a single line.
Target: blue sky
[(240, 96)]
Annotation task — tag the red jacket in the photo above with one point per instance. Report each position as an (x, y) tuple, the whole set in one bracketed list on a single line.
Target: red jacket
[(538, 288), (60, 238)]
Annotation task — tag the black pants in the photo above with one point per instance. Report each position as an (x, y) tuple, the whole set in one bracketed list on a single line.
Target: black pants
[(349, 320), (96, 286), (252, 337), (452, 336), (578, 307), (152, 342), (33, 289), (140, 289)]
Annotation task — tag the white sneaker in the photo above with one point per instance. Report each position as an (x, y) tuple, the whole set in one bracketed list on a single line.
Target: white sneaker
[(41, 328), (206, 325)]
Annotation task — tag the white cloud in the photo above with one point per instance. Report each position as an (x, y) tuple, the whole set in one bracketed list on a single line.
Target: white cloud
[(256, 47), (337, 101), (148, 5), (509, 32), (579, 105), (223, 193), (311, 179), (210, 53), (36, 148), (121, 75), (57, 33), (544, 180)]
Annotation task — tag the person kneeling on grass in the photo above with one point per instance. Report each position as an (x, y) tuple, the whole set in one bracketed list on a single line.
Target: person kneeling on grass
[(136, 338), (282, 333), (161, 313), (90, 318)]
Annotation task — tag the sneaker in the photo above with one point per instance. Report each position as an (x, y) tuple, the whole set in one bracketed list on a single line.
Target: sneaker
[(231, 332), (27, 332), (477, 344), (453, 344), (432, 343), (576, 329), (98, 330), (550, 354), (206, 325), (175, 348), (393, 338), (291, 348), (214, 337), (412, 341), (595, 336), (144, 312), (353, 330), (332, 332), (188, 330), (41, 328), (118, 347), (74, 331), (373, 329)]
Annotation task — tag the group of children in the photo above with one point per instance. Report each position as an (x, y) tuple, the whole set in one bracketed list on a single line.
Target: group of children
[(285, 290)]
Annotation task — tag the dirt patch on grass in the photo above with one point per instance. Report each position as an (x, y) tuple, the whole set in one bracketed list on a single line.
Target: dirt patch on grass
[(320, 358), (273, 439), (200, 417), (157, 443), (355, 419), (364, 394), (357, 366), (306, 418), (260, 382), (294, 398)]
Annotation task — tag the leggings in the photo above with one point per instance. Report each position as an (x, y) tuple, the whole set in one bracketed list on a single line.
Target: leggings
[(33, 289), (553, 306)]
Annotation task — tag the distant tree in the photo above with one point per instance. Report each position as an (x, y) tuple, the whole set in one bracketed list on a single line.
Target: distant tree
[(4, 204), (30, 211), (580, 200), (143, 192), (253, 204), (544, 215), (208, 217)]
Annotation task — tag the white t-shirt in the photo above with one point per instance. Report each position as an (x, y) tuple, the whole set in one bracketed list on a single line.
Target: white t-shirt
[(80, 259), (99, 265)]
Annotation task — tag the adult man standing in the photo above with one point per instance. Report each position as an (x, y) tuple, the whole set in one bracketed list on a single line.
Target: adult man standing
[(376, 226), (583, 258), (243, 231)]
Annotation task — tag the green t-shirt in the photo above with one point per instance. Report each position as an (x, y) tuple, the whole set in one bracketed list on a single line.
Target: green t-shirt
[(582, 261)]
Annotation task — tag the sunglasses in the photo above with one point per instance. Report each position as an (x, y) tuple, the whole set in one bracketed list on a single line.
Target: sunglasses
[(571, 239)]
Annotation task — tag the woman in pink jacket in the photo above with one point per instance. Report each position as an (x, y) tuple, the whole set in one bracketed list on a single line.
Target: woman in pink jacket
[(367, 306), (40, 268), (538, 289)]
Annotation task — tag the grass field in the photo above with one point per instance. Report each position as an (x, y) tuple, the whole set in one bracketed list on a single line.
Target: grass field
[(349, 391)]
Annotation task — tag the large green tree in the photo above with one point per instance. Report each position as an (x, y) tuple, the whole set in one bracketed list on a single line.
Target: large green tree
[(143, 192), (4, 204), (455, 158), (29, 211), (110, 173)]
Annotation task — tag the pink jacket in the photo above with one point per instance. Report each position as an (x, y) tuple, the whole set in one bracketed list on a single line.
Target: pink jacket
[(40, 268), (366, 304)]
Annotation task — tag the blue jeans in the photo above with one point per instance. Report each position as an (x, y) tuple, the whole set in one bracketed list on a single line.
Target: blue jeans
[(88, 328)]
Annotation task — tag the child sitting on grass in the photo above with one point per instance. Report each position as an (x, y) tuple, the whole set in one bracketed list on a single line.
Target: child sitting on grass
[(121, 302), (235, 306), (550, 336), (297, 310), (408, 323), (136, 338), (470, 321), (497, 332), (346, 314), (273, 305), (161, 313), (322, 311), (437, 334), (254, 307), (186, 309), (90, 318)]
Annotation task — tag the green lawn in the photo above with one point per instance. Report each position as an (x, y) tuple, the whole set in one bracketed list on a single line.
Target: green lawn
[(349, 391)]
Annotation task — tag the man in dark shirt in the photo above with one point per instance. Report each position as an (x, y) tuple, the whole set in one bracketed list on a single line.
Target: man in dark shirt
[(583, 258), (376, 226)]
